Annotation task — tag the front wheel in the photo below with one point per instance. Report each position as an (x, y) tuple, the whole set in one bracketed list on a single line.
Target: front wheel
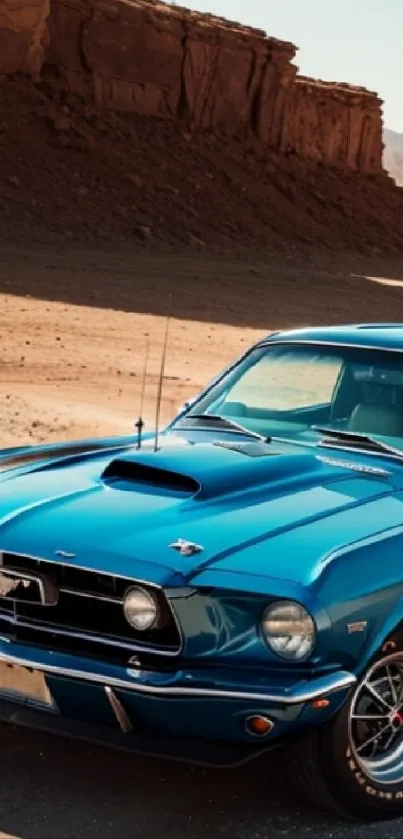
[(353, 766)]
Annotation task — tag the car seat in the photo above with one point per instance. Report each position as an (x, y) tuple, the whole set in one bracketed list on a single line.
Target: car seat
[(370, 418)]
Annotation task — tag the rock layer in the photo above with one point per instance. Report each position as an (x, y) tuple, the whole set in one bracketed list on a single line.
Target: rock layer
[(23, 36), (149, 58), (334, 124), (164, 61)]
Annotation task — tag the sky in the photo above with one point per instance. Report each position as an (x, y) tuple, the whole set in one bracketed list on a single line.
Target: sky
[(355, 41)]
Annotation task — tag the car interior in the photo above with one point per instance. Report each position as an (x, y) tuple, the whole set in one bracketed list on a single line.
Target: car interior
[(365, 399)]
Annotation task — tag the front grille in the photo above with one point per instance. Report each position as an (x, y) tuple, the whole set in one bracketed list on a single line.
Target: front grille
[(88, 616)]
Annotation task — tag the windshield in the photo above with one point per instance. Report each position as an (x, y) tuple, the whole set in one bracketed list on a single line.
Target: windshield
[(285, 390)]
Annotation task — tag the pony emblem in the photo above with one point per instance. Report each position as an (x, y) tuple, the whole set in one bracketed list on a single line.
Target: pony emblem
[(185, 548)]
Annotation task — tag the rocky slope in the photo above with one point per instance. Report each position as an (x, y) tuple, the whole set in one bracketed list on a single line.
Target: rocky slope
[(69, 171)]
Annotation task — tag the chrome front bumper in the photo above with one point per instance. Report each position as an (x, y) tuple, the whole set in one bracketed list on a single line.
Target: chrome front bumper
[(181, 683), (198, 716)]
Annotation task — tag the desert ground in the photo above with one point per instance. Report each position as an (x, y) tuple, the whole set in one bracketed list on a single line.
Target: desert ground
[(74, 324)]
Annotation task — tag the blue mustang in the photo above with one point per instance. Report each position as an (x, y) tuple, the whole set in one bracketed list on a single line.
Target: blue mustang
[(233, 586)]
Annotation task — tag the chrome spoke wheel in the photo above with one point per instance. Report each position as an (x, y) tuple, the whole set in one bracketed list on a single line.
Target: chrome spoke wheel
[(376, 722)]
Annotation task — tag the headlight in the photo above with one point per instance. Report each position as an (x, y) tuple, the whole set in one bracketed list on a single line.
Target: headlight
[(289, 630), (140, 609)]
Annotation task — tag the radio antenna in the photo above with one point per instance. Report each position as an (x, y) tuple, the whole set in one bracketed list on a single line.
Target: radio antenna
[(140, 422), (162, 370)]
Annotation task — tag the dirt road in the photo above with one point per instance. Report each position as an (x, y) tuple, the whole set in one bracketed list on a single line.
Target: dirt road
[(73, 330)]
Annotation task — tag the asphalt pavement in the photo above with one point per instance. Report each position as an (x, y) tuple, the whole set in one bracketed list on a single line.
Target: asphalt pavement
[(51, 788)]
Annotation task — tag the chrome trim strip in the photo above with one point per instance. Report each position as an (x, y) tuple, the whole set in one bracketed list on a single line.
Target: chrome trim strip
[(356, 467), (339, 447), (301, 694), (105, 599), (86, 636), (119, 711)]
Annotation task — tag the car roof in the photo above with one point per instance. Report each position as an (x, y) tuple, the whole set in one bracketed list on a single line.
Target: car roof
[(385, 336)]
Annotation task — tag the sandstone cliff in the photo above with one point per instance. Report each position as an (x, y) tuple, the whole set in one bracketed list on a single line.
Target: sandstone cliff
[(70, 174), (146, 57), (23, 36), (334, 124), (164, 61)]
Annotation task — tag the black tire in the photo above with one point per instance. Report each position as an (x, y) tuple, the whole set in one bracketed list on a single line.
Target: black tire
[(329, 766)]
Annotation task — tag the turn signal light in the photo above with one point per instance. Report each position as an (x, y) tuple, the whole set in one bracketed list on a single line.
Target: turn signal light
[(259, 726), (320, 703)]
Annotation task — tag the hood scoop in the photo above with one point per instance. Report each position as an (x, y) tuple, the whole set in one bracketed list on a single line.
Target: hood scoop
[(206, 471), (132, 473)]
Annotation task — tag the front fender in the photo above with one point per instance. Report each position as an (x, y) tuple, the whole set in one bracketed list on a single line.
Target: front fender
[(390, 626)]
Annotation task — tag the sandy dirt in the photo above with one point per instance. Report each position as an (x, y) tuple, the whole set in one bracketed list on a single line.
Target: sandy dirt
[(75, 323)]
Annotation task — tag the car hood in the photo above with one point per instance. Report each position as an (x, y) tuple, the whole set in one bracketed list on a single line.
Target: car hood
[(123, 511)]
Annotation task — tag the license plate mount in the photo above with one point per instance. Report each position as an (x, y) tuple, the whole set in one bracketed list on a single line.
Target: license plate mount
[(25, 686)]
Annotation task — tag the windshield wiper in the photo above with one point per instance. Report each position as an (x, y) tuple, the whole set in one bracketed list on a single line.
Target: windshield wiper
[(231, 425), (354, 438)]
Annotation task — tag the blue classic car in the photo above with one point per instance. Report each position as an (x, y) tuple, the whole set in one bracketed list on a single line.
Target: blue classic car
[(230, 586)]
